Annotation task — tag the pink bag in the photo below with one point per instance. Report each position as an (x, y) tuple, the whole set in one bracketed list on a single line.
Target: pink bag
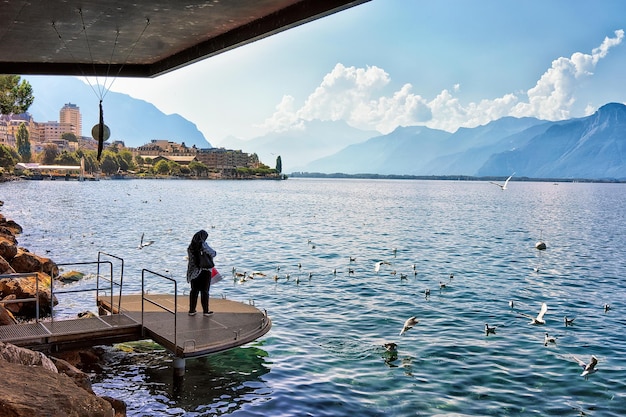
[(215, 276)]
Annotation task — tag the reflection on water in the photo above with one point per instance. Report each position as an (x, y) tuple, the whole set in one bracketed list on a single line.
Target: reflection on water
[(214, 385)]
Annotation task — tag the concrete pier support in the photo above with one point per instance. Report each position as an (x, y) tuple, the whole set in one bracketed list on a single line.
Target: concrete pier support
[(179, 367), (179, 375)]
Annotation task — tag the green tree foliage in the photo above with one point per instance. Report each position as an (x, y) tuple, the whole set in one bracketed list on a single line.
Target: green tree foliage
[(126, 160), (109, 163), (69, 136), (49, 154), (279, 164), (91, 163), (174, 167), (15, 96), (162, 167), (198, 168), (8, 157), (67, 158), (23, 143)]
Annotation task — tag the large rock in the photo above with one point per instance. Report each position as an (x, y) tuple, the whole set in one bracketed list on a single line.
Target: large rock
[(24, 261), (15, 354), (80, 378), (16, 288), (5, 266), (6, 317), (15, 228), (32, 391), (8, 246), (35, 385)]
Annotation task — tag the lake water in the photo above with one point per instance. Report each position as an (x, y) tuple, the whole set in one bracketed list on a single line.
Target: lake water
[(324, 355)]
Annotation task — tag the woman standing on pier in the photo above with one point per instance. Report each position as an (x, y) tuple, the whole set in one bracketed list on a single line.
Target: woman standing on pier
[(198, 273)]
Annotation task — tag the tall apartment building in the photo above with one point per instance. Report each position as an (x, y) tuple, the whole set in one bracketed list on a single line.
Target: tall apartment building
[(70, 115)]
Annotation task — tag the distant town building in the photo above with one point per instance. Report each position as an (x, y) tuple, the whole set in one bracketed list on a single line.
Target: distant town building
[(70, 116), (9, 123), (51, 132)]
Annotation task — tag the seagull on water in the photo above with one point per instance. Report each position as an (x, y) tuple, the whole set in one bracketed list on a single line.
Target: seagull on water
[(539, 319), (503, 186), (143, 244), (408, 325), (588, 368), (607, 307), (548, 339), (568, 321), (427, 293), (512, 304), (390, 347), (489, 330)]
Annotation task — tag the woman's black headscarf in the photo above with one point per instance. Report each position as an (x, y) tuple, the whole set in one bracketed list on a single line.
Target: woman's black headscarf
[(196, 243)]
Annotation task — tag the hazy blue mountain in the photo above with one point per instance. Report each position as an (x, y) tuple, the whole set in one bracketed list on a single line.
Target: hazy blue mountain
[(401, 151), (419, 150), (297, 147), (593, 147), (589, 147), (488, 139), (134, 121)]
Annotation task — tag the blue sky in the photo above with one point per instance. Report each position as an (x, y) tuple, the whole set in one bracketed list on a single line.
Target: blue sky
[(386, 63)]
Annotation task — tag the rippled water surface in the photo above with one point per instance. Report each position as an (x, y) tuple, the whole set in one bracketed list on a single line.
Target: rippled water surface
[(324, 355)]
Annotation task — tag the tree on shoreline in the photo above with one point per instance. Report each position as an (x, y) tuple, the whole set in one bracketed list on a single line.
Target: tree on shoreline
[(23, 143), (15, 96)]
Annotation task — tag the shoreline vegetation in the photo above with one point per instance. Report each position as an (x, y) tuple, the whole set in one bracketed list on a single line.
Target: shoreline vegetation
[(337, 175)]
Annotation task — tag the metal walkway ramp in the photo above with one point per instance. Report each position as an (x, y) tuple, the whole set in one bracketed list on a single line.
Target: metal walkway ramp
[(124, 318), (73, 333), (232, 323)]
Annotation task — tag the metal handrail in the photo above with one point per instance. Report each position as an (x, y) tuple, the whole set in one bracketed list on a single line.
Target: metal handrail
[(36, 299), (119, 299), (144, 298), (97, 289)]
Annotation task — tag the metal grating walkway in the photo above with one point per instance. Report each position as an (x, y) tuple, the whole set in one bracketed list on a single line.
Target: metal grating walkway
[(76, 332)]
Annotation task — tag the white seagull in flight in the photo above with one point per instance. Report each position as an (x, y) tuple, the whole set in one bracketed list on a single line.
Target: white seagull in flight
[(539, 319), (588, 368), (503, 186), (147, 243), (379, 264), (408, 324)]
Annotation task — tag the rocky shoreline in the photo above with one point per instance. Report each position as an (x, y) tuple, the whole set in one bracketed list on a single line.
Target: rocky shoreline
[(36, 384)]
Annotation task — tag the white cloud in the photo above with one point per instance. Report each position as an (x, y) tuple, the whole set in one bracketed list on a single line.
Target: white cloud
[(553, 96), (284, 117), (354, 95)]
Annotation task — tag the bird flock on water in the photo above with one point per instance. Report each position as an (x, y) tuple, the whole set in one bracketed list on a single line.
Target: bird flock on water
[(287, 274)]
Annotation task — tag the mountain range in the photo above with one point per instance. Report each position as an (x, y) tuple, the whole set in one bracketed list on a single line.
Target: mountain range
[(591, 147), (134, 121)]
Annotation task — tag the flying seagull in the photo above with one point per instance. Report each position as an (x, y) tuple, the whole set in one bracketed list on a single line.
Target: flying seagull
[(379, 264), (143, 244), (588, 368), (539, 319), (503, 186), (408, 324)]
